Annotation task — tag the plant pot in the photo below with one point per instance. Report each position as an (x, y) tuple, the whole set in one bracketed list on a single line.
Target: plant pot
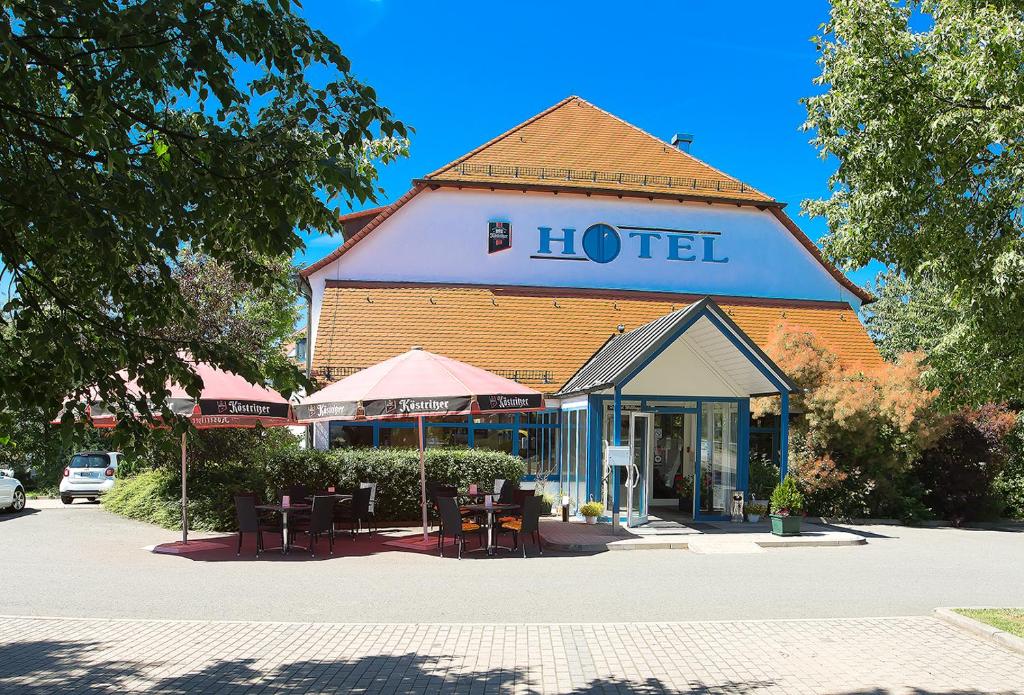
[(785, 525), (591, 519), (753, 518)]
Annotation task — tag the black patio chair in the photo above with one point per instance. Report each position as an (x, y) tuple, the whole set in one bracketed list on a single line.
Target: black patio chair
[(528, 524), (507, 493), (249, 521), (356, 511), (298, 493), (519, 498), (453, 525), (320, 522)]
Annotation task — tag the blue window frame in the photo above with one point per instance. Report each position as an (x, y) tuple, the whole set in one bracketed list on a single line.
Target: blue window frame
[(533, 436)]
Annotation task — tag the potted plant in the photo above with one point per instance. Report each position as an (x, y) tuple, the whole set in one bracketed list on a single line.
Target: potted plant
[(755, 511), (787, 508), (684, 489), (592, 510)]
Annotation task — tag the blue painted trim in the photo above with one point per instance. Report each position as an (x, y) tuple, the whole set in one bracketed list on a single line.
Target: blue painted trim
[(595, 459), (617, 438), (784, 438), (697, 462), (743, 446)]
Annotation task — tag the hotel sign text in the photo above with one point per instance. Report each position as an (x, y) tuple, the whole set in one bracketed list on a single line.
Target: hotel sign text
[(603, 243)]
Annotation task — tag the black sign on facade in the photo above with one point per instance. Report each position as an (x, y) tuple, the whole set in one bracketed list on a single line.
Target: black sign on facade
[(499, 236)]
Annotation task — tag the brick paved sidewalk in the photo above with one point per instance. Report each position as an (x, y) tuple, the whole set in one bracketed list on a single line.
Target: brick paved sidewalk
[(876, 655)]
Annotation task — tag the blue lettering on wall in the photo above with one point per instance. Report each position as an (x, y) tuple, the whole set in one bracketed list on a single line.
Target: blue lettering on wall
[(601, 243), (709, 251), (676, 245), (566, 240), (645, 242)]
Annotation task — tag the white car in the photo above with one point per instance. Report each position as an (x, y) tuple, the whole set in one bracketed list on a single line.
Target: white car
[(12, 492), (89, 474)]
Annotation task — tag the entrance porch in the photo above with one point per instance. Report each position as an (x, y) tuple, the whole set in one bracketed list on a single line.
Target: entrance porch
[(659, 418)]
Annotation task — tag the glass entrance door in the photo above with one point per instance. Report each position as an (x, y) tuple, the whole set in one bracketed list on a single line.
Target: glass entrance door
[(640, 444), (718, 452)]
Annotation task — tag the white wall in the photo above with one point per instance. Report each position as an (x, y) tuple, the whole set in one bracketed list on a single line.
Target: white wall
[(441, 236)]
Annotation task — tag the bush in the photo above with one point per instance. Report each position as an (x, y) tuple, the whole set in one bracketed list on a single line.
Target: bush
[(764, 476), (787, 498), (152, 496), (155, 495), (1009, 483), (957, 474), (859, 431), (592, 509)]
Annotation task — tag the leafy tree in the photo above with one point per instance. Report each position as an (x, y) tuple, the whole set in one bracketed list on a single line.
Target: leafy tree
[(234, 312), (225, 310), (965, 364), (132, 129), (924, 113)]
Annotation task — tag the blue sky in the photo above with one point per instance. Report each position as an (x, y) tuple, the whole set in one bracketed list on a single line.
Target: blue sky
[(462, 72)]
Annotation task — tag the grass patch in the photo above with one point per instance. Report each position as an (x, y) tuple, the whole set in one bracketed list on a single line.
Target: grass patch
[(1006, 619)]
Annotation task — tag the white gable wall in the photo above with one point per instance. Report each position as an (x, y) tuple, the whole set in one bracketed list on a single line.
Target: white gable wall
[(441, 236)]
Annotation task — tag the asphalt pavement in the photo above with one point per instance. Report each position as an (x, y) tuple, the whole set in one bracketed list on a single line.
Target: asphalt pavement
[(81, 561)]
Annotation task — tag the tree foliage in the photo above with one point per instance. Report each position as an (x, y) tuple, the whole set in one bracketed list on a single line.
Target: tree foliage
[(968, 366), (132, 129), (859, 430), (924, 113)]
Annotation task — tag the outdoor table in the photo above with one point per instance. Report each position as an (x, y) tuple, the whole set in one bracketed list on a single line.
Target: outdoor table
[(284, 512), (492, 546)]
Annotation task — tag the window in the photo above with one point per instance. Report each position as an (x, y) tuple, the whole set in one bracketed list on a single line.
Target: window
[(89, 461), (532, 436), (493, 439), (347, 435), (447, 436), (401, 437)]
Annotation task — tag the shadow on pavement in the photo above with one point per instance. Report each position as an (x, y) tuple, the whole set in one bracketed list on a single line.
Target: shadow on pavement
[(224, 549), (62, 666), (8, 515)]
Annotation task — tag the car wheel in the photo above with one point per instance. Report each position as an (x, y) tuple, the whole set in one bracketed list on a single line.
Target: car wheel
[(19, 500), (66, 499)]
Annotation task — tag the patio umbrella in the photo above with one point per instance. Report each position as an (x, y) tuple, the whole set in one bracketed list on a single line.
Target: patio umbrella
[(226, 400), (417, 384)]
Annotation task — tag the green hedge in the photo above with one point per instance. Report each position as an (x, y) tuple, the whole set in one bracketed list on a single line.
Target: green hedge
[(154, 495)]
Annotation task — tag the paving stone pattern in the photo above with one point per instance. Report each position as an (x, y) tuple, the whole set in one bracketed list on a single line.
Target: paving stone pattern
[(876, 655)]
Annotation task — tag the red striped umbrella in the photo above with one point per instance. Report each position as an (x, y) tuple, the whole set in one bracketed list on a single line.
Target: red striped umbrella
[(418, 384), (225, 400)]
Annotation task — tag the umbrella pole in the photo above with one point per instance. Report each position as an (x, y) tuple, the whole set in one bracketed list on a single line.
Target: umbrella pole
[(423, 478), (184, 492)]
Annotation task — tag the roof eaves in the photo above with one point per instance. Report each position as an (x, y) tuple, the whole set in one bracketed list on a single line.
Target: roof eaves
[(840, 277), (762, 204), (385, 212), (587, 361)]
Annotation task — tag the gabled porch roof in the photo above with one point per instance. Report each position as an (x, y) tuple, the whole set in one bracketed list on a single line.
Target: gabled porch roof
[(697, 350)]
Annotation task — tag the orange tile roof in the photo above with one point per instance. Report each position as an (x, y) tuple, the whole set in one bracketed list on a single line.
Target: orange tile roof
[(574, 144), (540, 336)]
